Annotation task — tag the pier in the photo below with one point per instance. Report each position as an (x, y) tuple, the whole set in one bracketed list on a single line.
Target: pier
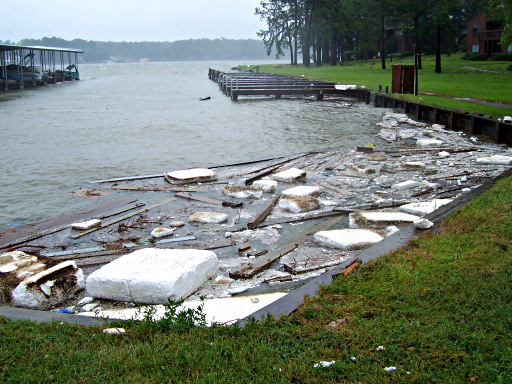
[(23, 66), (250, 83)]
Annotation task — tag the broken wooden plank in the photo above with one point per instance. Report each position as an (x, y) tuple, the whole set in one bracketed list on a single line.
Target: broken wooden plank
[(45, 227), (261, 215), (247, 270), (153, 188), (117, 220), (316, 216), (206, 199)]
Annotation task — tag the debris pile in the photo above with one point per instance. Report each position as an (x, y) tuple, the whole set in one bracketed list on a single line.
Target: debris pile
[(252, 228)]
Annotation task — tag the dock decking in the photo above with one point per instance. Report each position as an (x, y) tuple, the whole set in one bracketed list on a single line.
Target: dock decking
[(249, 83)]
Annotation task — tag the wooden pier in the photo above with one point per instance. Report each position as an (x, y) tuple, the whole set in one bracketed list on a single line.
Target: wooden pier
[(249, 83), (22, 66)]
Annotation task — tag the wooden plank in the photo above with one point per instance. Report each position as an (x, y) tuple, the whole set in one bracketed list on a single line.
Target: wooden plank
[(248, 270), (117, 220), (261, 215), (206, 199), (58, 223)]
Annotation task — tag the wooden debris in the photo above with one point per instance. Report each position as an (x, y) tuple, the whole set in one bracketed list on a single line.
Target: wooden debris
[(249, 270), (117, 220), (206, 199), (261, 215)]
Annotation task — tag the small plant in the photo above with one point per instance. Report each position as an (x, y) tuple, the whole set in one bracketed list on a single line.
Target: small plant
[(175, 317)]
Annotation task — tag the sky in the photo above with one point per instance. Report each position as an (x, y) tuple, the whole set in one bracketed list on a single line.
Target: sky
[(130, 20)]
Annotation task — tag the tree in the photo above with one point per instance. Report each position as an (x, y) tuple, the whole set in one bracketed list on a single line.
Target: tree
[(502, 10)]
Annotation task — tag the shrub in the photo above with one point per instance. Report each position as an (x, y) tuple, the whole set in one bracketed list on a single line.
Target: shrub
[(503, 57), (473, 56)]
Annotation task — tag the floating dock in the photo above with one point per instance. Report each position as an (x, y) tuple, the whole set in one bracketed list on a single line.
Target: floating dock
[(250, 83), (24, 66)]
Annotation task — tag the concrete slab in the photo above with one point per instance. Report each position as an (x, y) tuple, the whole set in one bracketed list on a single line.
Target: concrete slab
[(379, 219), (153, 275), (193, 175), (347, 239)]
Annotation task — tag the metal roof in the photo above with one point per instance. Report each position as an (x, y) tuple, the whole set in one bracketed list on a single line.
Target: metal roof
[(9, 47)]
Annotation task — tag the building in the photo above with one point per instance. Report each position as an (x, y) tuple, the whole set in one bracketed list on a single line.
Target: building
[(484, 36)]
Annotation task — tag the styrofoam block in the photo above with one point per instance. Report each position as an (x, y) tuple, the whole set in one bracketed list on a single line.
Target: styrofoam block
[(162, 232), (299, 204), (290, 175), (409, 184), (242, 191), (497, 159), (193, 175), (265, 185), (428, 142), (347, 239), (208, 217), (301, 190), (424, 207), (379, 219), (153, 275)]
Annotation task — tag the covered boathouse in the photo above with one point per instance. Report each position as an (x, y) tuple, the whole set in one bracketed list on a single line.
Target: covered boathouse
[(22, 66)]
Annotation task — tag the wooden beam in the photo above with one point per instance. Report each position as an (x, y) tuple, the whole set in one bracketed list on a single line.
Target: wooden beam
[(261, 215)]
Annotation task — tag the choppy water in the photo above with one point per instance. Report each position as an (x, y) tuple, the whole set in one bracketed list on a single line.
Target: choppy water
[(147, 118)]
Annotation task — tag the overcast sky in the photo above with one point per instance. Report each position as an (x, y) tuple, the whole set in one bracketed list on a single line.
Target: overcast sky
[(129, 20)]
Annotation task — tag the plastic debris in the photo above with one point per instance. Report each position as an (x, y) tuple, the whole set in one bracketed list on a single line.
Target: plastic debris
[(390, 369), (324, 364), (114, 331)]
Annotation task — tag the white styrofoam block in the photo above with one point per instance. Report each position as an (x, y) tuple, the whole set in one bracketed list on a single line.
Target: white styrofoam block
[(347, 239), (424, 207), (208, 217), (377, 219), (290, 175), (265, 185), (409, 184), (299, 204), (496, 159), (83, 225), (153, 275), (301, 190), (49, 287), (193, 175), (428, 142), (242, 191), (162, 232), (11, 261)]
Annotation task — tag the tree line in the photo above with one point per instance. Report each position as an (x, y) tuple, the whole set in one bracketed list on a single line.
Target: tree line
[(183, 50), (330, 31)]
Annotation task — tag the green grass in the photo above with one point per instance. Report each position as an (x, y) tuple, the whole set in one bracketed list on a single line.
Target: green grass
[(455, 81), (441, 307)]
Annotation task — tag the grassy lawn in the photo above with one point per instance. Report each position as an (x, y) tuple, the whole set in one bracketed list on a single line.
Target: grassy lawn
[(455, 81), (440, 309)]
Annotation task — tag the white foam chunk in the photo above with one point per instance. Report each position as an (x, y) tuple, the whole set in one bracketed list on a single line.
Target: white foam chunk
[(208, 218), (428, 142), (265, 185), (299, 204), (497, 159), (301, 190), (83, 225), (424, 207), (242, 191), (193, 175), (347, 239), (290, 175), (405, 185), (153, 275), (162, 232), (379, 219)]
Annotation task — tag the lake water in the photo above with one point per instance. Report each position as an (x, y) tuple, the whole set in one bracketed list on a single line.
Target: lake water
[(147, 118)]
